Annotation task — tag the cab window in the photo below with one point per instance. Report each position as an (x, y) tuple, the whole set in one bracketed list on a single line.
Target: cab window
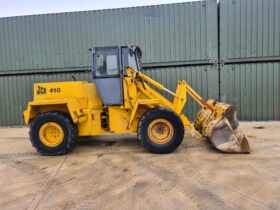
[(107, 63)]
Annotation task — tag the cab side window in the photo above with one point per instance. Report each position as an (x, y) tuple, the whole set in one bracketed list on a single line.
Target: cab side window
[(132, 61), (128, 59)]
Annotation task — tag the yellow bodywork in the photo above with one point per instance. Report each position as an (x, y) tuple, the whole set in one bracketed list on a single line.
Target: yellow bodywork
[(82, 102)]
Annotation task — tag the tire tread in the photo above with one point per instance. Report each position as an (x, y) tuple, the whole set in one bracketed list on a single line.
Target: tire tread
[(161, 111), (68, 123)]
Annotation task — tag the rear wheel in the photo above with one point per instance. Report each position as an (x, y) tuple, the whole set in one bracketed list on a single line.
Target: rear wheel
[(52, 133), (161, 130)]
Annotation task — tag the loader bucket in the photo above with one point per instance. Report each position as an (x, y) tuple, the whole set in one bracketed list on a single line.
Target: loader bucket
[(222, 128), (227, 139)]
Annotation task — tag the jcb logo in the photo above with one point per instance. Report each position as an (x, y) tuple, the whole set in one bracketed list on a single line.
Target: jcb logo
[(41, 90)]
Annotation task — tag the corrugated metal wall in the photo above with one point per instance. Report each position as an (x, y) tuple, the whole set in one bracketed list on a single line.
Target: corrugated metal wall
[(173, 33), (249, 30), (250, 49), (254, 88)]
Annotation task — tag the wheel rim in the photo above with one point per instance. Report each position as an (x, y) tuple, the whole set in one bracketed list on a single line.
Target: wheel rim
[(160, 131), (51, 134)]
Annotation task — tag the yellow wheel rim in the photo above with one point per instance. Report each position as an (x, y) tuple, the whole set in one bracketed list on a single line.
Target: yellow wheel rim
[(160, 131), (51, 134)]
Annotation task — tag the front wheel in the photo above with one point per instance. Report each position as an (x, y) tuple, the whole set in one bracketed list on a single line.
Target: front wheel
[(52, 133), (161, 130)]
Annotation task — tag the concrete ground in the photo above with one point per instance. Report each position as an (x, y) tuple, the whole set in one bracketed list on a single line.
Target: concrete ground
[(115, 172)]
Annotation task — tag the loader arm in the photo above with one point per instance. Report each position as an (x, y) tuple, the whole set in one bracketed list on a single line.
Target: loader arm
[(180, 97)]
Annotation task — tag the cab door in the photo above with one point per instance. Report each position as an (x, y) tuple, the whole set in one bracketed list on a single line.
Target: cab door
[(106, 75)]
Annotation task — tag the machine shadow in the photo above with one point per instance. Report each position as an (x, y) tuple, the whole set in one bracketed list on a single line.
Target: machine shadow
[(110, 140)]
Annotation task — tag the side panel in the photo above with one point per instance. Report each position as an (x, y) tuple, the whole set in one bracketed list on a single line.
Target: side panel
[(59, 90), (253, 88), (92, 126), (119, 119)]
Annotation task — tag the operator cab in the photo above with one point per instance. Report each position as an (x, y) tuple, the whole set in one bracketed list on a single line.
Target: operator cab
[(109, 66)]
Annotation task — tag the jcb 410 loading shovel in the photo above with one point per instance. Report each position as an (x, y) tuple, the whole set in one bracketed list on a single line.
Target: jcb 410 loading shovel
[(121, 99)]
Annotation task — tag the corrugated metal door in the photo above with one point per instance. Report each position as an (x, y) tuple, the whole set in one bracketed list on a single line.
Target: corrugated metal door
[(254, 88), (249, 49)]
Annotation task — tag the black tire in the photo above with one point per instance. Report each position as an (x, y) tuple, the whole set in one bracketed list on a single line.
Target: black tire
[(172, 118), (65, 122)]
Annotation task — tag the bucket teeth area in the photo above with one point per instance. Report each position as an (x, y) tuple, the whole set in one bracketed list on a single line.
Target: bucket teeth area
[(222, 127), (229, 140)]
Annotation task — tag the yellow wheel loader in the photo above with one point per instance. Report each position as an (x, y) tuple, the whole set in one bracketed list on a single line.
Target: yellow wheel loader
[(121, 99)]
